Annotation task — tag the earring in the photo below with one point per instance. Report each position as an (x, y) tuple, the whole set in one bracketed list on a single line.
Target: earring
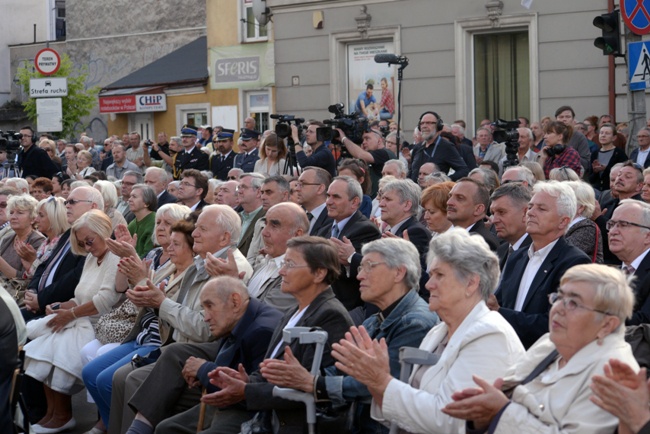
[(599, 341)]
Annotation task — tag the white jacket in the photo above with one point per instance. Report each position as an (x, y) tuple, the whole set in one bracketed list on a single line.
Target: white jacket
[(485, 344), (557, 401)]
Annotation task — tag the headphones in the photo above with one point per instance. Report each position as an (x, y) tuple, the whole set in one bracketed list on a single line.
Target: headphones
[(555, 150), (439, 122)]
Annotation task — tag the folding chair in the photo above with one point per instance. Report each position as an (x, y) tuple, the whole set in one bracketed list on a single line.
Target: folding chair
[(17, 398), (306, 335)]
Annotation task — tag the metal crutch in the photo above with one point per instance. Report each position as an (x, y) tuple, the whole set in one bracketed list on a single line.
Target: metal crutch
[(409, 356), (306, 335)]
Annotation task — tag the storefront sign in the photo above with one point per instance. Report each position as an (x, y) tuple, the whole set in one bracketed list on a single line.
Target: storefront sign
[(133, 103), (242, 66)]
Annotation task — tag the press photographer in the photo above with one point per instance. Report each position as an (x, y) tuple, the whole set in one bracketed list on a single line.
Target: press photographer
[(321, 155), (32, 160), (372, 150)]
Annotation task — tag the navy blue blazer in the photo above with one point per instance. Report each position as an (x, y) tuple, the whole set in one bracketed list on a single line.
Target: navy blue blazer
[(532, 322), (246, 162), (252, 335), (641, 287), (480, 229), (197, 159), (220, 168), (635, 154), (166, 198)]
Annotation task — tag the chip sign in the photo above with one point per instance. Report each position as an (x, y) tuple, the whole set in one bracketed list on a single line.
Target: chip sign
[(47, 61)]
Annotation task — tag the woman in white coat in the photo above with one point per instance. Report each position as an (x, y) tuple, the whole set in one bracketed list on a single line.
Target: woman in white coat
[(463, 273), (549, 391)]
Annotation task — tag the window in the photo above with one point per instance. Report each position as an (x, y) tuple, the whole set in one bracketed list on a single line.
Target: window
[(193, 114), (501, 76), (258, 106), (252, 30)]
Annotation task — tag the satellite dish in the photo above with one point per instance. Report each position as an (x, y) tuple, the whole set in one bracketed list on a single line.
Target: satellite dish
[(261, 12)]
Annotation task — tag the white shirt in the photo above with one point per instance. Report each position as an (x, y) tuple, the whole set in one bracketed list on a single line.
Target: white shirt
[(292, 323), (535, 261), (269, 270), (642, 156), (519, 242)]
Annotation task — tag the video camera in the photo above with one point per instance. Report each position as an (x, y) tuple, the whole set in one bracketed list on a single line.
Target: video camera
[(506, 132), (10, 143), (351, 124), (283, 127)]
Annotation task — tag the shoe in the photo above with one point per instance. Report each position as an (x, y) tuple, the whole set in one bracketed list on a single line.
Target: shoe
[(95, 430), (38, 429)]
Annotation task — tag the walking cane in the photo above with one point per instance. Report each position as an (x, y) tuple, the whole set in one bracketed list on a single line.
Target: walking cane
[(199, 427)]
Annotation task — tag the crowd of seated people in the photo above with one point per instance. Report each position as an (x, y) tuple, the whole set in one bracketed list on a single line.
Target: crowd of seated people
[(160, 277)]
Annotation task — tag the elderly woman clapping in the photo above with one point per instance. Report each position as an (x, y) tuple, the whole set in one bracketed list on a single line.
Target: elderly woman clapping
[(389, 274), (463, 273), (549, 391)]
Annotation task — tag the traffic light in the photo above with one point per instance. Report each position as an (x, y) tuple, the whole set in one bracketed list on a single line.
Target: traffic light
[(610, 41)]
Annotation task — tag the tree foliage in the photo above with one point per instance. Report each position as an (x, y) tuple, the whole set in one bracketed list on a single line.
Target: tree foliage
[(79, 102)]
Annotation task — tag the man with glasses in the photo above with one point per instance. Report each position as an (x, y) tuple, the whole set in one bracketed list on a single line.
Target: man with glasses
[(191, 157), (640, 154), (32, 160), (250, 200), (129, 179), (530, 274), (192, 189), (436, 149), (321, 156), (372, 150), (629, 240), (311, 192)]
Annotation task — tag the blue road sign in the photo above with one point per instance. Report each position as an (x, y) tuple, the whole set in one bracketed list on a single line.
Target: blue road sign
[(639, 64), (636, 15)]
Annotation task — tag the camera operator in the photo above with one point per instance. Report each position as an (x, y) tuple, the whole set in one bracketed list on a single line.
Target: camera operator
[(321, 155), (372, 150), (436, 149), (32, 160)]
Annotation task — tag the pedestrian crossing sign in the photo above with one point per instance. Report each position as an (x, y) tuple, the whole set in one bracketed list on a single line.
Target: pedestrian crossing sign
[(639, 65)]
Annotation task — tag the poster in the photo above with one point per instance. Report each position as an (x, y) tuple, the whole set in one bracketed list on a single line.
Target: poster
[(363, 71)]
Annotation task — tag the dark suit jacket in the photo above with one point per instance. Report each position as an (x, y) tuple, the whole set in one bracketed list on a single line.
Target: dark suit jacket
[(247, 237), (488, 236), (219, 168), (600, 180), (325, 312), (322, 221), (532, 322), (635, 154), (321, 157), (466, 151), (166, 198), (66, 278), (359, 230), (35, 161), (502, 250), (641, 286), (420, 237), (252, 335), (445, 156), (197, 159), (246, 162)]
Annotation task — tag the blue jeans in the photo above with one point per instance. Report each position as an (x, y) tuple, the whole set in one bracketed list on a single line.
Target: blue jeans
[(98, 374)]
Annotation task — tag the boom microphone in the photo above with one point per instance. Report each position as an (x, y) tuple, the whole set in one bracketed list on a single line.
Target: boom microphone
[(391, 59)]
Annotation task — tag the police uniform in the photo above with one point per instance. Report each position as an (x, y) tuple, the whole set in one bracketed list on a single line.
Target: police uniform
[(246, 161), (221, 164), (196, 159)]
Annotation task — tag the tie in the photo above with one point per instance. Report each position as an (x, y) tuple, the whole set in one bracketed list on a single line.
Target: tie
[(50, 266), (628, 270), (335, 230), (310, 216)]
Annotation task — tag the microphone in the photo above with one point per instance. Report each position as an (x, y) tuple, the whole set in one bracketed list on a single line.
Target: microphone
[(391, 59)]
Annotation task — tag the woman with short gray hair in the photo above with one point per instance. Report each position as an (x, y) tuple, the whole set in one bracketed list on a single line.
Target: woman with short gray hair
[(583, 232), (463, 273)]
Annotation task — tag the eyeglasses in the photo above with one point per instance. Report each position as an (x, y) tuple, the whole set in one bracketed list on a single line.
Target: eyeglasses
[(427, 123), (642, 136), (367, 267), (84, 243), (232, 178), (73, 202), (302, 183), (570, 304), (187, 184), (290, 265), (622, 224)]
